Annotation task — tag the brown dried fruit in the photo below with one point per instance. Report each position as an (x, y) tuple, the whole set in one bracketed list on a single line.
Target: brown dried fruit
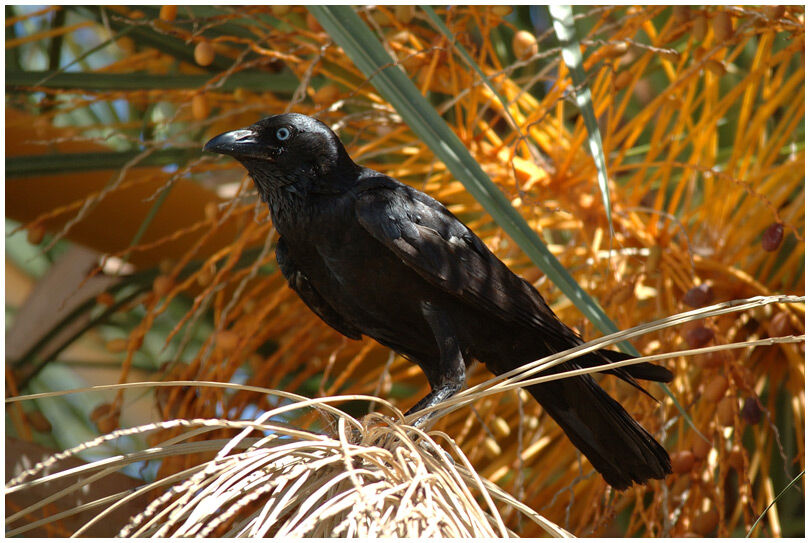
[(586, 200), (101, 410), (35, 234), (524, 45), (126, 44), (699, 28), (106, 299), (706, 523), (166, 265), (107, 425), (38, 421), (775, 12), (106, 417), (716, 67), (327, 94), (204, 53), (240, 94), (699, 336), (671, 55), (211, 210), (615, 49), (726, 409), (162, 285), (168, 13), (199, 107), (117, 345), (160, 24), (682, 461), (227, 340), (723, 26), (205, 275), (751, 412), (622, 80), (491, 448), (772, 237), (680, 486), (680, 14), (380, 18), (710, 360), (699, 296), (500, 427), (403, 36), (404, 13), (716, 388), (700, 447), (313, 24), (780, 325)]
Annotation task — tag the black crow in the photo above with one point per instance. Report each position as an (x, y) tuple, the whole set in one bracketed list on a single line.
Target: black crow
[(370, 255)]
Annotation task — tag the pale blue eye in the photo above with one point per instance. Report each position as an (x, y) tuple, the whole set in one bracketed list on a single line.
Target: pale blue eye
[(282, 133)]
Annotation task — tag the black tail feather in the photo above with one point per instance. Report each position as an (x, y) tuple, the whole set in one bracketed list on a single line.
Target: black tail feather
[(616, 445), (642, 370), (629, 373)]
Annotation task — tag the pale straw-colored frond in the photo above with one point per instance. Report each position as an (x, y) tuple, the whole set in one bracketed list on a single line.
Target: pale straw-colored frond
[(370, 478)]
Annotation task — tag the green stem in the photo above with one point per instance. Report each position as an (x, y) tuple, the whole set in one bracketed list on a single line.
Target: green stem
[(20, 167), (93, 81), (776, 499)]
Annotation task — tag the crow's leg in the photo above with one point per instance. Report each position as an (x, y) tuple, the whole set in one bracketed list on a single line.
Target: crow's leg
[(447, 375)]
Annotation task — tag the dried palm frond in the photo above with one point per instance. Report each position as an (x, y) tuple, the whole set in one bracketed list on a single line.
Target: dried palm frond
[(375, 478)]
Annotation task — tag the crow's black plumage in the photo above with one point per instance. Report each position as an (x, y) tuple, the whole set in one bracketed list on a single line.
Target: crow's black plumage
[(370, 255)]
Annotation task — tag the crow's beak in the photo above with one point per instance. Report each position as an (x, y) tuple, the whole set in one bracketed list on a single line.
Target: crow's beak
[(241, 143)]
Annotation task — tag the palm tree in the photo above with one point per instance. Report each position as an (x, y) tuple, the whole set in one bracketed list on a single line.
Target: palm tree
[(147, 261)]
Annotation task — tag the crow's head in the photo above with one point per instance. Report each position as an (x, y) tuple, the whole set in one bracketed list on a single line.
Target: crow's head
[(292, 151)]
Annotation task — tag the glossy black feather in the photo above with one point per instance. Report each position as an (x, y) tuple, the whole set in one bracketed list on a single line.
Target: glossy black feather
[(370, 255), (302, 286)]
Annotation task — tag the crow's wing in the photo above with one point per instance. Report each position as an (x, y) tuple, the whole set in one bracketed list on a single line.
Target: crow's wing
[(434, 243), (301, 284)]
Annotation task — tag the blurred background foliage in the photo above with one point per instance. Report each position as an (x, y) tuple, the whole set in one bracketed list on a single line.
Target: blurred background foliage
[(130, 256)]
